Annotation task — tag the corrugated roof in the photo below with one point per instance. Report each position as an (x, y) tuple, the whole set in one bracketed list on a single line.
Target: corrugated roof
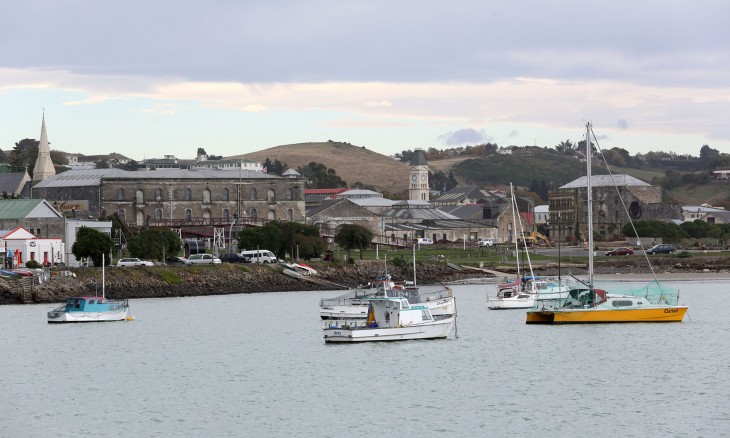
[(93, 177), (619, 180), (17, 208)]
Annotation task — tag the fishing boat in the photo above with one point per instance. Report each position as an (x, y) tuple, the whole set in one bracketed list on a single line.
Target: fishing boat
[(390, 319), (587, 304), (91, 308), (354, 304)]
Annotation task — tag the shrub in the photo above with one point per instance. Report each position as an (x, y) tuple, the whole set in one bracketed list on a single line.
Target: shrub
[(32, 264)]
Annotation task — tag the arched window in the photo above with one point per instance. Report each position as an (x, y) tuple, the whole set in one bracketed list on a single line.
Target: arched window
[(140, 217), (225, 215), (289, 194), (122, 215), (254, 214), (120, 194), (158, 214), (289, 214), (272, 215), (271, 196), (206, 217), (188, 195), (158, 194), (226, 194), (206, 196), (188, 214), (139, 196), (253, 195)]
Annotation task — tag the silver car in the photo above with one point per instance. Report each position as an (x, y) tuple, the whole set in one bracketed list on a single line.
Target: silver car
[(130, 261), (198, 259)]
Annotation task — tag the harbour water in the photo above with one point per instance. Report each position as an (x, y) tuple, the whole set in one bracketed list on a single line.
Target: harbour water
[(257, 365)]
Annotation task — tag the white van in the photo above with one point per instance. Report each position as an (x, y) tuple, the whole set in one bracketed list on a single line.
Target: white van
[(260, 256)]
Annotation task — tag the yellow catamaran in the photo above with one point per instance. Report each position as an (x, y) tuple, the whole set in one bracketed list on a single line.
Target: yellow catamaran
[(652, 303)]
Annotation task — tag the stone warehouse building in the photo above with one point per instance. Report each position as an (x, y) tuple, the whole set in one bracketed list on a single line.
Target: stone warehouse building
[(569, 216), (175, 196)]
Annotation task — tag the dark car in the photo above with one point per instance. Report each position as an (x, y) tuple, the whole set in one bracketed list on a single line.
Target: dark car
[(620, 251), (663, 248), (234, 258), (177, 261)]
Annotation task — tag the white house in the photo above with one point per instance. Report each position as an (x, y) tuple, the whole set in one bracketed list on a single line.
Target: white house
[(20, 245), (72, 227), (542, 214)]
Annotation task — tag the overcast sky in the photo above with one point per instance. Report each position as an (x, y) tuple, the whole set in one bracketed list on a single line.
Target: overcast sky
[(149, 78)]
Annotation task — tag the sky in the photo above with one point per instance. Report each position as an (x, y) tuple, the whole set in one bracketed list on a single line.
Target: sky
[(153, 78)]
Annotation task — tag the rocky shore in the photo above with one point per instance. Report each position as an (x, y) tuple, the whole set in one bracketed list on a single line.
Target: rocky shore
[(173, 281)]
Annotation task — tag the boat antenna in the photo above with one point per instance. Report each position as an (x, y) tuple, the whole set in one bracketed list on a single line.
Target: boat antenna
[(103, 262), (414, 266), (514, 227)]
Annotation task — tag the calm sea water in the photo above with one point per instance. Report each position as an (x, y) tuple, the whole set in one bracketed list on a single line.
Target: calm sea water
[(257, 365)]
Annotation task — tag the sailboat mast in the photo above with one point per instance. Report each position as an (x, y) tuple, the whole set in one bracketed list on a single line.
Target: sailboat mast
[(589, 189), (103, 262), (514, 232), (414, 266)]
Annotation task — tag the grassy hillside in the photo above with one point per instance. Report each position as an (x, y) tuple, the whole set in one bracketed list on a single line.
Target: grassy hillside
[(352, 163), (541, 165), (714, 193)]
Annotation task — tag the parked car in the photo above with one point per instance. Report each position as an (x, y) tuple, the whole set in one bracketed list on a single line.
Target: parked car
[(425, 241), (620, 251), (663, 248), (177, 261), (134, 262), (201, 259), (234, 258), (260, 256), (486, 242)]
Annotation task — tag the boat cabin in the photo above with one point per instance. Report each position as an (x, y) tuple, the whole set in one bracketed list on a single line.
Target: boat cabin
[(89, 304), (395, 312)]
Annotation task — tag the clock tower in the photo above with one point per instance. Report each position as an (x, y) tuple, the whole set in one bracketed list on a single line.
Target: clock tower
[(418, 177)]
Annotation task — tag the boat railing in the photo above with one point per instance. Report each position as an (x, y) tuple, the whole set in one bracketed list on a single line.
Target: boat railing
[(345, 323), (329, 302)]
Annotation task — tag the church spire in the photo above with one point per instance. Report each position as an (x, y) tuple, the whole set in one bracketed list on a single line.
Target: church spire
[(43, 166)]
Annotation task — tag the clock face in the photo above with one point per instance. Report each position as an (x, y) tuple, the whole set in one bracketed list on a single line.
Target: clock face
[(414, 177), (423, 177)]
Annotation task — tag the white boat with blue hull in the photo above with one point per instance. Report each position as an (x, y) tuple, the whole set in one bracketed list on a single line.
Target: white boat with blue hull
[(90, 309), (390, 319)]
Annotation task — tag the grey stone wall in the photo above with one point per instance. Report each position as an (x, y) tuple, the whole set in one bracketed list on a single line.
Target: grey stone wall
[(45, 228)]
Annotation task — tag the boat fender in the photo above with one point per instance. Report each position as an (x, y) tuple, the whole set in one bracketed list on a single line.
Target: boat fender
[(398, 287)]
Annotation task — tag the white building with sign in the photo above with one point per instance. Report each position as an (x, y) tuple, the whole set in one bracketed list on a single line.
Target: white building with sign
[(20, 245)]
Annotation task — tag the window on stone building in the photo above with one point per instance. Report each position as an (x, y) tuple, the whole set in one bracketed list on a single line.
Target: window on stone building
[(289, 194), (272, 215), (225, 215), (226, 195), (158, 194), (253, 195), (158, 214), (206, 196), (139, 196), (121, 215), (188, 214), (271, 196), (254, 214), (188, 195), (206, 217), (120, 194), (289, 214), (140, 217)]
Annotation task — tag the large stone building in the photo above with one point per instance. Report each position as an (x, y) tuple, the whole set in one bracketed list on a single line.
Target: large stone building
[(569, 216), (175, 196)]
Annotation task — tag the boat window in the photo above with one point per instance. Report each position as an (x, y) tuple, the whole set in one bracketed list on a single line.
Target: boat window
[(622, 303), (78, 304), (91, 301), (426, 315)]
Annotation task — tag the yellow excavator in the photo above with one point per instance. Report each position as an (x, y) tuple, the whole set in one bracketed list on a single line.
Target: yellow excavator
[(536, 238)]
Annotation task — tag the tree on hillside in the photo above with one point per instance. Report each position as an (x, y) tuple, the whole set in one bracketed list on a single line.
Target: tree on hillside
[(654, 228), (350, 236), (320, 177), (92, 243), (201, 151), (130, 165), (566, 147), (439, 181), (276, 167), (24, 155), (155, 243)]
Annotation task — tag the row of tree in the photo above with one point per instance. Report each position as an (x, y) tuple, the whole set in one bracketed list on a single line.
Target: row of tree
[(697, 229)]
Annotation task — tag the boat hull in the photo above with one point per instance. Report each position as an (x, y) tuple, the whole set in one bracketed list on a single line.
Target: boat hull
[(603, 316), (439, 307), (435, 330), (510, 303), (67, 317)]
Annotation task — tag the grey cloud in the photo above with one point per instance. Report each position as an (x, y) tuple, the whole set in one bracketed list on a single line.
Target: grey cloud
[(621, 124), (464, 136)]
